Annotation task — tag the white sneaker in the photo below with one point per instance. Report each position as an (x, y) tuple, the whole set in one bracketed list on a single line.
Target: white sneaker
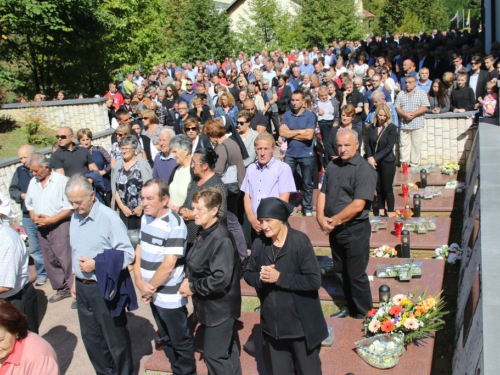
[(309, 214), (40, 280)]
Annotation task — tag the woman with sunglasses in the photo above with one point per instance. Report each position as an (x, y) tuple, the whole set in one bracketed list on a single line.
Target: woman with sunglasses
[(116, 154), (151, 127), (388, 83), (145, 143), (247, 134), (192, 130)]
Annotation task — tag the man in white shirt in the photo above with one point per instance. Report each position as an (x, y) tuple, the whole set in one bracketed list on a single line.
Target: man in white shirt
[(50, 210)]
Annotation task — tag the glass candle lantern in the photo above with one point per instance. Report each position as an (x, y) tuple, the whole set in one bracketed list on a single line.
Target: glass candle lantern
[(405, 243), (416, 205), (423, 178)]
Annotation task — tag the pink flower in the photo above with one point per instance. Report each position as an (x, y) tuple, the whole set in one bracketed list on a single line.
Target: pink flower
[(374, 326), (398, 298), (411, 323)]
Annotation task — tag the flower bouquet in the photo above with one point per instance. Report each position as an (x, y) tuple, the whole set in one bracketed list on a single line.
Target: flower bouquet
[(415, 316), (384, 251), (402, 214), (449, 168), (451, 253), (23, 235)]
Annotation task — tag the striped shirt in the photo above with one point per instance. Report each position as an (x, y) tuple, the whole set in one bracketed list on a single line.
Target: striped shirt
[(159, 237)]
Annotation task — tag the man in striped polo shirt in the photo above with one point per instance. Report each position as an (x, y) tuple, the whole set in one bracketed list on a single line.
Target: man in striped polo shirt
[(159, 271)]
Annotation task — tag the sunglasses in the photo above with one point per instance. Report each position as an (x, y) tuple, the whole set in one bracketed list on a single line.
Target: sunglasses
[(194, 129), (189, 84), (120, 134), (61, 136), (240, 122)]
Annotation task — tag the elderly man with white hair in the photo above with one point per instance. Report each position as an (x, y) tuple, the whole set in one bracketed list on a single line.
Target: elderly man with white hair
[(50, 211), (94, 229), (18, 188)]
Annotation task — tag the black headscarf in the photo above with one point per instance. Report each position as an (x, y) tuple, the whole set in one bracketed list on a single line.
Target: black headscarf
[(274, 208)]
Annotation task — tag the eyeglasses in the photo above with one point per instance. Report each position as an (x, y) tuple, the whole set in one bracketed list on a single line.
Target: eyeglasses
[(126, 149), (61, 136), (194, 129), (241, 122), (120, 134), (189, 84), (193, 163), (474, 63), (182, 108)]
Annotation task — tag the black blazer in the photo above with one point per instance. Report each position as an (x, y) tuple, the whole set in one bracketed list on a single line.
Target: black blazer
[(482, 80), (383, 152), (302, 280), (331, 144), (212, 268), (284, 101)]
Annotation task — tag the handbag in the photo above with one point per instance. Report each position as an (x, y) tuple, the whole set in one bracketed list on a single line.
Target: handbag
[(230, 176), (133, 235)]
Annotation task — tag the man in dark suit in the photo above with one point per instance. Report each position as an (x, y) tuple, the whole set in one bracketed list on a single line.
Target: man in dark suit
[(440, 64), (424, 59), (477, 79)]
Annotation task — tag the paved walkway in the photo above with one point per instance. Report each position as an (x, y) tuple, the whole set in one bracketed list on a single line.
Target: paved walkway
[(60, 327)]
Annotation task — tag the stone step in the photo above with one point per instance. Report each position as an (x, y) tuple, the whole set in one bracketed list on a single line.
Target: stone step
[(339, 359), (427, 241), (331, 290)]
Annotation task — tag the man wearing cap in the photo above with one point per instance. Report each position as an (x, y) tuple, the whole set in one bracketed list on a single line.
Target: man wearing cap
[(284, 271), (14, 272), (342, 213)]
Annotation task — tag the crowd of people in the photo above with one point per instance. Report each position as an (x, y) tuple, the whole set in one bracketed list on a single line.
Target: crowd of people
[(203, 164)]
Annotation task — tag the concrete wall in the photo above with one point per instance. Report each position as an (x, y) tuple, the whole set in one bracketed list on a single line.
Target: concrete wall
[(8, 166), (447, 138), (77, 114), (477, 329)]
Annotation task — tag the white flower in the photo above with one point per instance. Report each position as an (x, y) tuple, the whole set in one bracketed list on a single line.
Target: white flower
[(452, 258), (386, 256), (438, 251), (398, 324)]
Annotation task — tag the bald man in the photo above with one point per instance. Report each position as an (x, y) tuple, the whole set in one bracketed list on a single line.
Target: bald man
[(70, 159), (18, 187)]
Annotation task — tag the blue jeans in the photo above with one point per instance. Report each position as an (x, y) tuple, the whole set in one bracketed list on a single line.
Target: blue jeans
[(35, 249), (179, 344), (306, 167)]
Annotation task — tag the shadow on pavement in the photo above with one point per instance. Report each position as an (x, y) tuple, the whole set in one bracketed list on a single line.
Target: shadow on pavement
[(64, 344), (142, 334), (41, 299)]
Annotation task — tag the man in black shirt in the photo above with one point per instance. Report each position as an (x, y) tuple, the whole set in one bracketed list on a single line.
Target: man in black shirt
[(70, 159), (342, 213), (258, 121)]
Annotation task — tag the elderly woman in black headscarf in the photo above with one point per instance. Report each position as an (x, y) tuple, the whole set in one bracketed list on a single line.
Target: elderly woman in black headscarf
[(284, 271)]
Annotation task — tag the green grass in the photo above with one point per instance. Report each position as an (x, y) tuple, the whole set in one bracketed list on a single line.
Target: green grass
[(10, 142), (249, 304)]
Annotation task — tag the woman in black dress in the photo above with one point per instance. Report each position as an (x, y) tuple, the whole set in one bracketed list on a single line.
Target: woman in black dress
[(382, 136)]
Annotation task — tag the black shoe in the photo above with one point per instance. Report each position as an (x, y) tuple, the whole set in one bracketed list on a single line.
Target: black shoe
[(344, 312)]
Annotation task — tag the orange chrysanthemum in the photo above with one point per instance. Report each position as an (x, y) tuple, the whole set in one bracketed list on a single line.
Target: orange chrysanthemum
[(395, 310), (387, 326), (371, 312)]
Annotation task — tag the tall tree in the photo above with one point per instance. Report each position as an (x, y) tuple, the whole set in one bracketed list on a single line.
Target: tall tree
[(263, 24), (325, 20)]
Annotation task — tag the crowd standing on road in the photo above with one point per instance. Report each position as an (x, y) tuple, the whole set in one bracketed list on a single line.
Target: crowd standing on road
[(193, 179)]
